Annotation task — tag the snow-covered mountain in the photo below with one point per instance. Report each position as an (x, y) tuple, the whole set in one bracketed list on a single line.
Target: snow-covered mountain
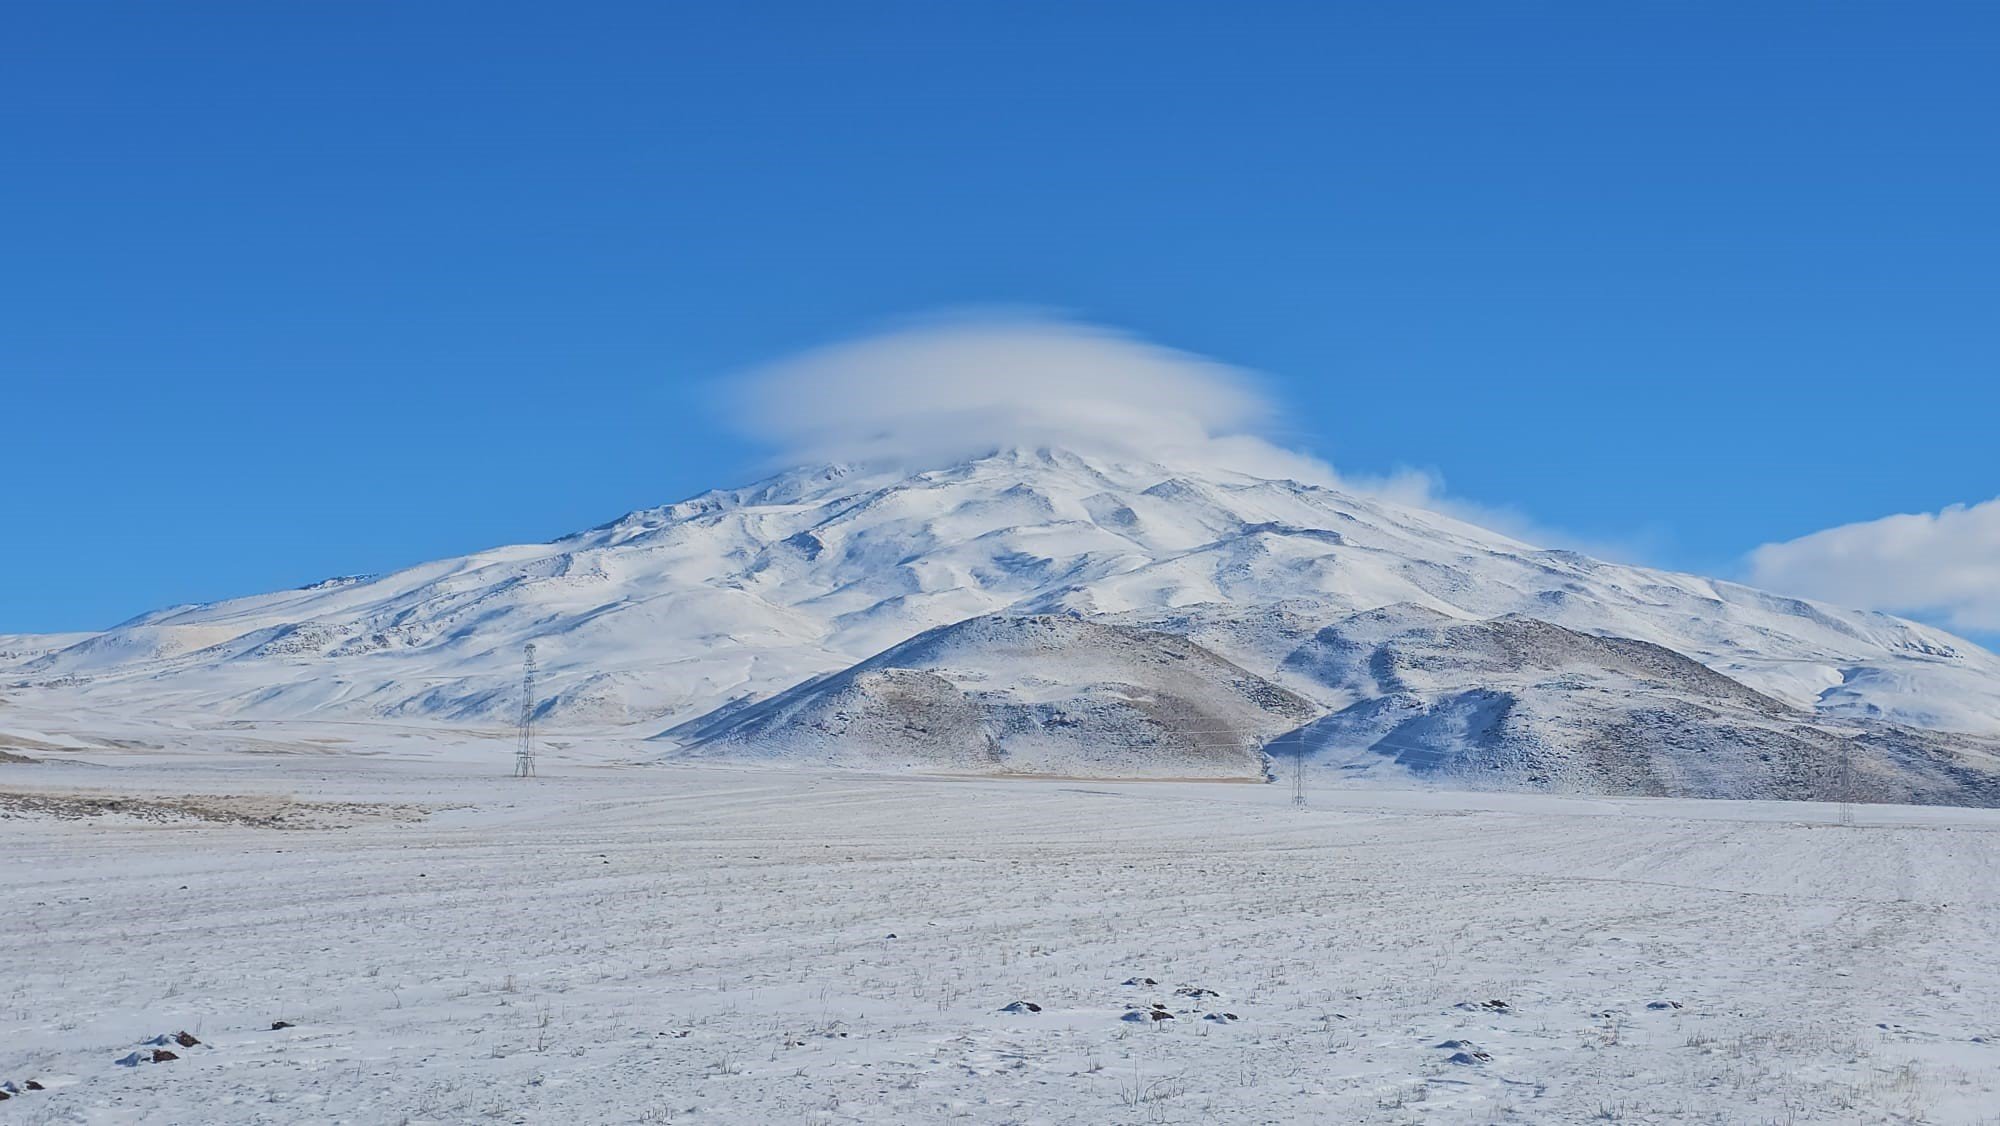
[(660, 618)]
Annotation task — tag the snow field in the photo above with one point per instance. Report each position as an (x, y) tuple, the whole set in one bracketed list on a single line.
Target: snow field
[(704, 944)]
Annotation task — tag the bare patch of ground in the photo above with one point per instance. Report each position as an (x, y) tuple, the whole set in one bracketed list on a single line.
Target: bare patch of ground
[(261, 811), (23, 743)]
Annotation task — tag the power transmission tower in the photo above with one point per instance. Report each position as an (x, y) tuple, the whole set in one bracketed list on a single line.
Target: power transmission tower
[(1299, 772), (524, 747), (1847, 782)]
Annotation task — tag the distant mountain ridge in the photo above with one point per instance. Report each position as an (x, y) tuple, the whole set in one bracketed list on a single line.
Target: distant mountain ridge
[(660, 618)]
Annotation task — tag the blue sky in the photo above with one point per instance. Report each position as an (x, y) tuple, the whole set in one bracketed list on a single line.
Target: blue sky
[(302, 289)]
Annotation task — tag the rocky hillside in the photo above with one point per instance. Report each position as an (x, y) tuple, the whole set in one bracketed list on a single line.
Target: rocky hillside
[(1035, 695)]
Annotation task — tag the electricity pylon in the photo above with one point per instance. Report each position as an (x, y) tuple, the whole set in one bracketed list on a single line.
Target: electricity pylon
[(1847, 782), (524, 747)]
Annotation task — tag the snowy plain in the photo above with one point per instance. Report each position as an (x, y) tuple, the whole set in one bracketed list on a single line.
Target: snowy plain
[(623, 941)]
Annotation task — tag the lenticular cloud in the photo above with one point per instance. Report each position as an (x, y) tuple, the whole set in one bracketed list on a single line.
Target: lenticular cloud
[(928, 395)]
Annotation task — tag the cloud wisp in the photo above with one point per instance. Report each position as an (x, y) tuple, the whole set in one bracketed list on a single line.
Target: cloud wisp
[(1943, 565)]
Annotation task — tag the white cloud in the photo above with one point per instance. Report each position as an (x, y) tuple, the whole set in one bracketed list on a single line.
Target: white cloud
[(929, 394), (1942, 564)]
